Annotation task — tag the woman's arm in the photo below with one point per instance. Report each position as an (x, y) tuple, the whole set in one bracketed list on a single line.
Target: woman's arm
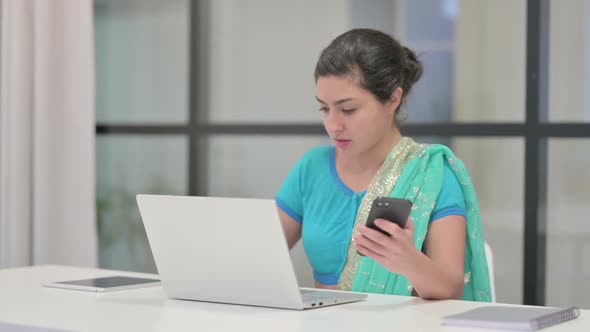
[(320, 285), (435, 274), (444, 255), (291, 228)]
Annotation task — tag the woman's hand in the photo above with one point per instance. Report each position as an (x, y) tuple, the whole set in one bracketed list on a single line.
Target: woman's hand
[(435, 274), (395, 252)]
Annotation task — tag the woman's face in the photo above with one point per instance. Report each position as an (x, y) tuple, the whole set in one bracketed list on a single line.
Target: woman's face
[(353, 117)]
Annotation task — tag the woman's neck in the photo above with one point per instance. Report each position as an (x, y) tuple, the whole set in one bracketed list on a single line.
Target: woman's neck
[(370, 160)]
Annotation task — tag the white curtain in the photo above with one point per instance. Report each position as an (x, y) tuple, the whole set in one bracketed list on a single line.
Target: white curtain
[(47, 158), (587, 57)]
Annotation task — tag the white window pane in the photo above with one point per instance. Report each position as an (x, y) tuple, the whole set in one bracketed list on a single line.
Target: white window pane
[(490, 66), (431, 98), (127, 166), (474, 71), (142, 64), (262, 56), (431, 19), (496, 166), (568, 229), (569, 61), (254, 166)]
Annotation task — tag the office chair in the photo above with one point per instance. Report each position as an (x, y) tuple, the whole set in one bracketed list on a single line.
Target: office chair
[(490, 260)]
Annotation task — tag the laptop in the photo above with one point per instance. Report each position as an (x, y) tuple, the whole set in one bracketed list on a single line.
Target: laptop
[(226, 250)]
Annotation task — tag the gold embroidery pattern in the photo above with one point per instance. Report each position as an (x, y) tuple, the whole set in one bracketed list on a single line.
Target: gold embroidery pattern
[(467, 277), (382, 184)]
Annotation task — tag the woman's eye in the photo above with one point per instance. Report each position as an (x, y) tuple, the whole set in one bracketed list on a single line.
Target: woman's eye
[(323, 109), (348, 111)]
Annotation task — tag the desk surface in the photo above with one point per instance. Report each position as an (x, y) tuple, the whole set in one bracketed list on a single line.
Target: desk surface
[(24, 301)]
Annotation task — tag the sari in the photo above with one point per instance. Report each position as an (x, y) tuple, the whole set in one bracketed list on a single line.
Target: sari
[(415, 172)]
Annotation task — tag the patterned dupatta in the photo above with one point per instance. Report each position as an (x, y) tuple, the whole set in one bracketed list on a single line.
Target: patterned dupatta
[(415, 171)]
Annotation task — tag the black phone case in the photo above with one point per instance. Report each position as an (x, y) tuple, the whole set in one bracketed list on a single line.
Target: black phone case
[(395, 210)]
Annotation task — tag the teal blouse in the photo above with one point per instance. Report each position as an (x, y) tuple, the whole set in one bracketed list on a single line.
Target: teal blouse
[(314, 195)]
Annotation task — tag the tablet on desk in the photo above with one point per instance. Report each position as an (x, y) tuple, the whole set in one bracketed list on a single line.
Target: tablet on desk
[(105, 284)]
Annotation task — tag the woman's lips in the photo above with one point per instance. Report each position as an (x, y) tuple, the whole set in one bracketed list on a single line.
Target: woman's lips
[(342, 143)]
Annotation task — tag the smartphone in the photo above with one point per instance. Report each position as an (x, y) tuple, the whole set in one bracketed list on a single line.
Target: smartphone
[(395, 210)]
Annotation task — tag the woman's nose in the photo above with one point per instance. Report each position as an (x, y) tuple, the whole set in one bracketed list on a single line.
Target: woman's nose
[(333, 122)]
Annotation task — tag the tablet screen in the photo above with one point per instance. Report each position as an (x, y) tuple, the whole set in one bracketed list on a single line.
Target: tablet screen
[(108, 282)]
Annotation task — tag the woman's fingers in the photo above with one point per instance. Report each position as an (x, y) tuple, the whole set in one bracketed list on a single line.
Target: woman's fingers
[(366, 251), (390, 227), (368, 243)]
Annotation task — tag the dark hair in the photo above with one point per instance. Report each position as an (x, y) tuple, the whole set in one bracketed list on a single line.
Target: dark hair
[(381, 62)]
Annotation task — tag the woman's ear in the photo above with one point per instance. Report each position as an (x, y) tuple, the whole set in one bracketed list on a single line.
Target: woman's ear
[(395, 99)]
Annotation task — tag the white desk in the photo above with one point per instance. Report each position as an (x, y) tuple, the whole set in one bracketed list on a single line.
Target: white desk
[(24, 301)]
